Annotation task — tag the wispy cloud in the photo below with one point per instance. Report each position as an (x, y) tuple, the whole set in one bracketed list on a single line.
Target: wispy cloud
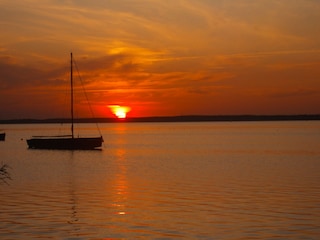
[(159, 51)]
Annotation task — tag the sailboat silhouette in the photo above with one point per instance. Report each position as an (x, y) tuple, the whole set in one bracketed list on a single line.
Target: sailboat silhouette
[(66, 141)]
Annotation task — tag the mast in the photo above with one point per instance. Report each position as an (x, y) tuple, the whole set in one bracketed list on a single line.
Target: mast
[(71, 82)]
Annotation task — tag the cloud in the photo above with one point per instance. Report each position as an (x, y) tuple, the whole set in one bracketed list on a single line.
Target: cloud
[(154, 51), (300, 92)]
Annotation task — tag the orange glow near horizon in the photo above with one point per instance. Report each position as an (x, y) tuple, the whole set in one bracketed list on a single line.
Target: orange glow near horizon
[(119, 111), (181, 61)]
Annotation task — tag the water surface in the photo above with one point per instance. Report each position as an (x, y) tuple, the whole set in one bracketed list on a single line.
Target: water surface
[(241, 180)]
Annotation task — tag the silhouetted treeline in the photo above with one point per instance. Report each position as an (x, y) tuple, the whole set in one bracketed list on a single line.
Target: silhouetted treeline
[(185, 118)]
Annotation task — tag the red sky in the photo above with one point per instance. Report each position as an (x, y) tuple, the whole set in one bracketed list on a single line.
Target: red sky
[(160, 57)]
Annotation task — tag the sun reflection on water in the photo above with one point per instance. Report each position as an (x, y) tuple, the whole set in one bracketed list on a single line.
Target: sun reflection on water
[(121, 182)]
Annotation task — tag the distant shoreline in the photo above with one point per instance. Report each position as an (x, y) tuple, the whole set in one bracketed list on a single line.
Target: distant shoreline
[(183, 118)]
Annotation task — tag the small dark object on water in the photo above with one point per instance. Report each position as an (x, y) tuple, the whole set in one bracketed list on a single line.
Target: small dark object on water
[(2, 136)]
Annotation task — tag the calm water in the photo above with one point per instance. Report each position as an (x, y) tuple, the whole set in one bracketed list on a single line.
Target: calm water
[(166, 181)]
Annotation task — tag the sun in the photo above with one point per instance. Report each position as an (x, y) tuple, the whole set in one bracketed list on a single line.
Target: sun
[(119, 111)]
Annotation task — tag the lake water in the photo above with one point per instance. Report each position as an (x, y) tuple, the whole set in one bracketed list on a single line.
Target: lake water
[(215, 180)]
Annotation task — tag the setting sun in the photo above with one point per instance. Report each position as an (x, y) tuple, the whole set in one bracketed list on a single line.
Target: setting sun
[(119, 111)]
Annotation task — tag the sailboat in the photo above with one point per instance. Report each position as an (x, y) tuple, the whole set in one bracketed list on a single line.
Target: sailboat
[(66, 141)]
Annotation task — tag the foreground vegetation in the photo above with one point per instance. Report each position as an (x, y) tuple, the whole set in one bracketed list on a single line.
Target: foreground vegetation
[(4, 174)]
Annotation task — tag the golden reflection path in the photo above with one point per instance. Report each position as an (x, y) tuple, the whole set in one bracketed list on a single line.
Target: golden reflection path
[(121, 182)]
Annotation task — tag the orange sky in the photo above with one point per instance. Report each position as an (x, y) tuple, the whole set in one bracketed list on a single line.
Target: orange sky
[(160, 57)]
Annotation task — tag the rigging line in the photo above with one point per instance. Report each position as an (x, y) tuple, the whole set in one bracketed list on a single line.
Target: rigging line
[(86, 95)]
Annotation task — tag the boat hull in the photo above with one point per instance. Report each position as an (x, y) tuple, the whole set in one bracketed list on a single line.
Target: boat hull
[(65, 143)]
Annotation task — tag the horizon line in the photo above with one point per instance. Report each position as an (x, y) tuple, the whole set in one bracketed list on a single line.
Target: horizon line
[(174, 118)]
